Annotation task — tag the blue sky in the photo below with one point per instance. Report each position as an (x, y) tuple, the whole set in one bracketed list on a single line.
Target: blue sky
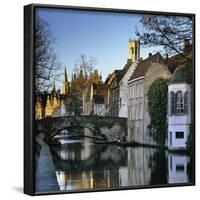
[(101, 35)]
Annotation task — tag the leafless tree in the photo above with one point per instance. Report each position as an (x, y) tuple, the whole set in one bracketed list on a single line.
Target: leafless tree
[(170, 32), (46, 65), (84, 63)]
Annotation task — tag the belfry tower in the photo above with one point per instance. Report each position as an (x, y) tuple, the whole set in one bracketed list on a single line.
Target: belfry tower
[(134, 50), (65, 84)]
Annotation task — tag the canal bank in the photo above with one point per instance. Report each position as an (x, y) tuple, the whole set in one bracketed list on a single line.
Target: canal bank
[(45, 177)]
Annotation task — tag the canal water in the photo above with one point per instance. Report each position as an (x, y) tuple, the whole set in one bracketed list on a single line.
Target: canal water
[(79, 164)]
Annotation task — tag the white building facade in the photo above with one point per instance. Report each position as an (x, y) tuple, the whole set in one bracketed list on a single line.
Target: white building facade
[(129, 68), (179, 108), (123, 91)]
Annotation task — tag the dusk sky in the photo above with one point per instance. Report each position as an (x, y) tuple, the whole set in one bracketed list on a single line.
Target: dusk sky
[(96, 34)]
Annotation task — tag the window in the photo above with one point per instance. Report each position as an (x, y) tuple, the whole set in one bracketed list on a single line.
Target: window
[(138, 130), (186, 98), (179, 102), (141, 111), (170, 163), (170, 138), (130, 113), (172, 103), (179, 135), (133, 112), (136, 50), (180, 168), (132, 49), (120, 102)]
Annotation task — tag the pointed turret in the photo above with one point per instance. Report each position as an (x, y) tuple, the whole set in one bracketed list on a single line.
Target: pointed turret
[(65, 75), (54, 88), (101, 78), (65, 84)]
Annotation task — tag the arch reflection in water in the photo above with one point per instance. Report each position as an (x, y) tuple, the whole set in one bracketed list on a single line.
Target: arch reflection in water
[(81, 164)]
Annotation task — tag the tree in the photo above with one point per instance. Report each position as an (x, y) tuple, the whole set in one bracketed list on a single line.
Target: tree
[(169, 32), (73, 105), (157, 105), (45, 61), (87, 65)]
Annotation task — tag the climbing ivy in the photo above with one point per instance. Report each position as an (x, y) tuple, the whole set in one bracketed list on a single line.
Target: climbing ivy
[(157, 105), (189, 140)]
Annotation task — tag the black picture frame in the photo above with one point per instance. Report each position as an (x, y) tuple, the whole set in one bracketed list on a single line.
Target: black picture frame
[(29, 108)]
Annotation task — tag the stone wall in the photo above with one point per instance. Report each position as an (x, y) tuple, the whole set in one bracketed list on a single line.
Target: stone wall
[(157, 70)]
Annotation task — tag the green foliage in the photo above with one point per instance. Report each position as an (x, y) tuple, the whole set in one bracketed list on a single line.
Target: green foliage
[(189, 141), (74, 105), (157, 104)]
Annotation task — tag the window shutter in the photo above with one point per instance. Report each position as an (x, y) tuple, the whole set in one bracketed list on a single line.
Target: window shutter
[(186, 102), (172, 100)]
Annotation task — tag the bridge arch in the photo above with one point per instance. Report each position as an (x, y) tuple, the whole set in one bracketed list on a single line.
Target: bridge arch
[(110, 128)]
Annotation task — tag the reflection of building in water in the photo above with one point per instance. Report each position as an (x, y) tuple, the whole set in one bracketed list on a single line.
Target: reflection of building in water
[(69, 181), (87, 179), (139, 170), (66, 152), (85, 166), (177, 168)]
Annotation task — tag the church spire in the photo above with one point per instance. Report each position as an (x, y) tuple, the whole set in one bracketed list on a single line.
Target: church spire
[(54, 88), (65, 84), (65, 75)]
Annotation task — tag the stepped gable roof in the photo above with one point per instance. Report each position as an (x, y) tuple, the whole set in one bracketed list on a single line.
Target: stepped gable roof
[(144, 65), (183, 74)]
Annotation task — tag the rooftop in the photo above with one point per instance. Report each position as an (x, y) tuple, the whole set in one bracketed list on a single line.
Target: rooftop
[(144, 65), (183, 74)]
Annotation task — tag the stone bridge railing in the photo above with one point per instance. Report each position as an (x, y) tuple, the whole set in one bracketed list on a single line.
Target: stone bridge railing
[(109, 128)]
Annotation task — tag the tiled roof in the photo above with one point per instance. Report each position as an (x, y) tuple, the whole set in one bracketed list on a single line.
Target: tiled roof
[(144, 65), (176, 60), (183, 74)]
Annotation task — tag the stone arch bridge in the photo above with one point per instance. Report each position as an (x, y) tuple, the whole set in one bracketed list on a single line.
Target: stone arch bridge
[(109, 128)]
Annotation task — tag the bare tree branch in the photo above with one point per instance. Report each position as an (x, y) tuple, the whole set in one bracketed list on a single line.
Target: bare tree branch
[(46, 65), (170, 32)]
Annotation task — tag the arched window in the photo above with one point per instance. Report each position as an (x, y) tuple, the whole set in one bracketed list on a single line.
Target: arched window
[(172, 103), (132, 49), (179, 102), (186, 100)]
